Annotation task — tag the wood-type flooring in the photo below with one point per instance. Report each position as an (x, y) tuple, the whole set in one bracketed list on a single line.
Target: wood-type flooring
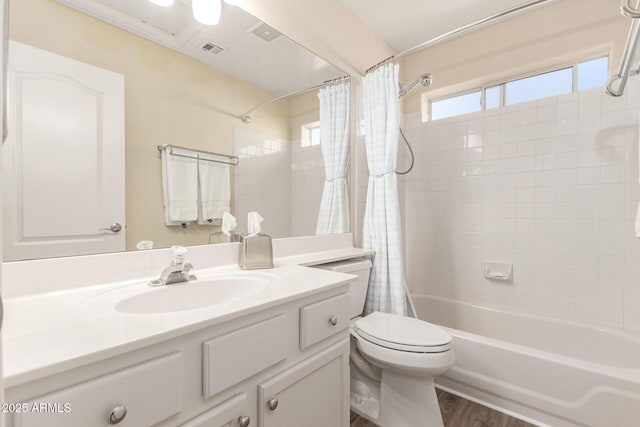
[(459, 412)]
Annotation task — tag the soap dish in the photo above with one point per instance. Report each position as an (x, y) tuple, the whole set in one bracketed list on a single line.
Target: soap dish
[(498, 271)]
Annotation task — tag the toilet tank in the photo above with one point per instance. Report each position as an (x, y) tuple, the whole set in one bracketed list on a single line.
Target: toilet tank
[(358, 292)]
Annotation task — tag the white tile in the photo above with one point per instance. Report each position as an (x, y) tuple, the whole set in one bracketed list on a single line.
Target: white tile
[(631, 320), (567, 126), (590, 106), (612, 192), (611, 264), (565, 177), (566, 143), (588, 193), (547, 113), (613, 174), (612, 247), (508, 120), (589, 123), (527, 117), (588, 158), (588, 227), (589, 244), (566, 193), (586, 313), (568, 160), (567, 110), (589, 175), (566, 210), (612, 228), (610, 316)]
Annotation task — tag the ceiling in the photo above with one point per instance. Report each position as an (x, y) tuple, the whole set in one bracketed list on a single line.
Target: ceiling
[(279, 65), (404, 24)]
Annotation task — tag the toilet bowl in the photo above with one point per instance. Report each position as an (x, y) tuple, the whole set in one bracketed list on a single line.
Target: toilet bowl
[(393, 361)]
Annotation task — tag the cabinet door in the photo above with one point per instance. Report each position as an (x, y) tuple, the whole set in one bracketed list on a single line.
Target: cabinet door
[(314, 393), (231, 413)]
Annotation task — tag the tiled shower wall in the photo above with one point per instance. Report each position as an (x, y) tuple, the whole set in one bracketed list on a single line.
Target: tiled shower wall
[(279, 179), (307, 174), (550, 186), (262, 181)]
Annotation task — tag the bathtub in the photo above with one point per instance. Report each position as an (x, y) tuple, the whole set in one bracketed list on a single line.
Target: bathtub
[(546, 371)]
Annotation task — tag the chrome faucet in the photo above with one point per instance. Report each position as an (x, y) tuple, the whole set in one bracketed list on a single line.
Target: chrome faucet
[(177, 271)]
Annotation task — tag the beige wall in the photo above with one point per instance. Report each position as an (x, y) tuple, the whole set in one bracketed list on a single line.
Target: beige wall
[(550, 36), (169, 99)]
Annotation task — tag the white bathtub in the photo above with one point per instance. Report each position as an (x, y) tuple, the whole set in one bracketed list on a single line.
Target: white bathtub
[(549, 372)]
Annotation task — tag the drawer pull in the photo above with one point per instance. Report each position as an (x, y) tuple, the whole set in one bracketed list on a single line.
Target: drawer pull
[(272, 404), (244, 421), (117, 414), (333, 321)]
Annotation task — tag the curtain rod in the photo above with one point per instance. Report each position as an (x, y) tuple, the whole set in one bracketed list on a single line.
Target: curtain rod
[(247, 118), (629, 51), (461, 30), (233, 160)]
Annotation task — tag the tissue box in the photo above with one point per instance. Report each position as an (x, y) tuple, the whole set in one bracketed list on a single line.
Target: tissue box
[(256, 252)]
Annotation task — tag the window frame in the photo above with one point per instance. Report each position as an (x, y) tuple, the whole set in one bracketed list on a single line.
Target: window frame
[(502, 85), (306, 130)]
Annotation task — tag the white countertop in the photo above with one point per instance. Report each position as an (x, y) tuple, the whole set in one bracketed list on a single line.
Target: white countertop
[(48, 333)]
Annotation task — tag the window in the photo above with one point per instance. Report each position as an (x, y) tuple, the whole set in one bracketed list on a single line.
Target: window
[(593, 74), (581, 76), (310, 134), (541, 86), (456, 105)]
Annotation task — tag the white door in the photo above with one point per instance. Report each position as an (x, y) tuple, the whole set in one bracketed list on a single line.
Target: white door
[(63, 161)]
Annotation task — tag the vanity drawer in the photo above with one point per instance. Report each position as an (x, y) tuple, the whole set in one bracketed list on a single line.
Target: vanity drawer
[(323, 319), (150, 392), (236, 356)]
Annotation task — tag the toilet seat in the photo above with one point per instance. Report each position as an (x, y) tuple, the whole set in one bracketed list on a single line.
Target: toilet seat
[(402, 333)]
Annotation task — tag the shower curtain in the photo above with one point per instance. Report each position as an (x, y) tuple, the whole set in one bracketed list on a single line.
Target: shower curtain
[(333, 216), (382, 227)]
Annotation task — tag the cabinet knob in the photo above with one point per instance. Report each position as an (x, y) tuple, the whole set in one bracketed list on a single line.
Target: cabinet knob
[(272, 404), (117, 414), (244, 421), (333, 321)]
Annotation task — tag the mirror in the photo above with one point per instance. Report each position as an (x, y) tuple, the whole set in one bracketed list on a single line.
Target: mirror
[(184, 84)]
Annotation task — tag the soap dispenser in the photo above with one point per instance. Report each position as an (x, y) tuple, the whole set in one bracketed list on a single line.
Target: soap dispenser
[(256, 251)]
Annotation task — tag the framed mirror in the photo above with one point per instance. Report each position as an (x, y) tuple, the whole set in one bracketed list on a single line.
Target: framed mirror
[(182, 83)]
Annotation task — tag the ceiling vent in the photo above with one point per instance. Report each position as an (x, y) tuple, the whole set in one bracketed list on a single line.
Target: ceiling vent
[(266, 32), (212, 48)]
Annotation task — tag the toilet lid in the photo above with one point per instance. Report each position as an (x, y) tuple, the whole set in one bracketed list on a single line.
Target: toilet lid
[(403, 333)]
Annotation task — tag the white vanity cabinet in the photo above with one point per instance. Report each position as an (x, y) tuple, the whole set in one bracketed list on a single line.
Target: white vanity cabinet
[(226, 374), (311, 394)]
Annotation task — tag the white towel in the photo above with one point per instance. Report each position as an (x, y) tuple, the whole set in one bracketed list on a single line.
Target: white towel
[(215, 191), (179, 187)]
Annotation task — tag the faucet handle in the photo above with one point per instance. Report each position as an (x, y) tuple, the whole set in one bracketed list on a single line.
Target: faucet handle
[(178, 254)]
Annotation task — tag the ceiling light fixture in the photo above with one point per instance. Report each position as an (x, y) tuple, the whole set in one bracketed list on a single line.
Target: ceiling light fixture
[(207, 12), (164, 3)]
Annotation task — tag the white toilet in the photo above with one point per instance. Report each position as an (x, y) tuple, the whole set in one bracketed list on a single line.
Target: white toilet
[(393, 360)]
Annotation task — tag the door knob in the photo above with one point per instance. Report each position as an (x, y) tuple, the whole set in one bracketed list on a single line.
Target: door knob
[(115, 227), (244, 421)]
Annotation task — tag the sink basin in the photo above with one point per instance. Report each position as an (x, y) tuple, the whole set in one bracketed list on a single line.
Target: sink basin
[(192, 295)]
